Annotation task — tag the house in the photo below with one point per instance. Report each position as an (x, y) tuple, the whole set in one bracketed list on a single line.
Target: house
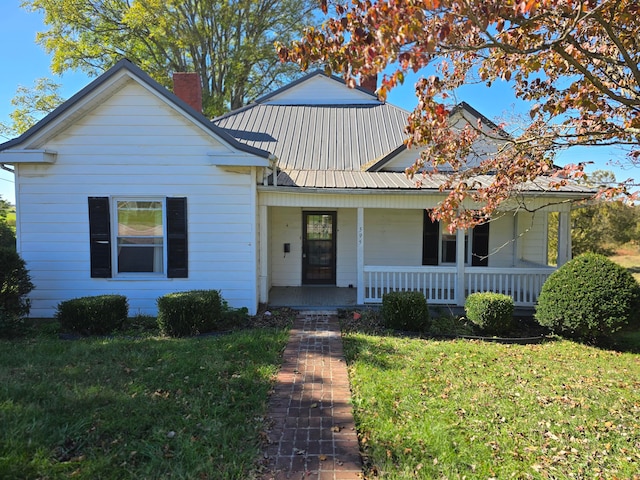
[(127, 188)]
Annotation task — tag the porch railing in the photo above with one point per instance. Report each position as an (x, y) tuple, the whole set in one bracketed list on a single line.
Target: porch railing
[(439, 284), (522, 284)]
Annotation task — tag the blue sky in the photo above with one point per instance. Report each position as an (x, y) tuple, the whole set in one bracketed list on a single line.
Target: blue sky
[(22, 61)]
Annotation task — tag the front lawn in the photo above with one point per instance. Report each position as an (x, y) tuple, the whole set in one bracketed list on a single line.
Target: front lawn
[(135, 408), (465, 409)]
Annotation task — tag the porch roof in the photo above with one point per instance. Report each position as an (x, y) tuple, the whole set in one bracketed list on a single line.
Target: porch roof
[(348, 179)]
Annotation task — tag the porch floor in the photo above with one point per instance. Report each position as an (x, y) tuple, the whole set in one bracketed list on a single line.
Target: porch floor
[(310, 297)]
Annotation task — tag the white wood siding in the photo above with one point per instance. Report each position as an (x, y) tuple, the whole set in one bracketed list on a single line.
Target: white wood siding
[(502, 241), (392, 237), (347, 261), (135, 145), (532, 238), (321, 90), (286, 227)]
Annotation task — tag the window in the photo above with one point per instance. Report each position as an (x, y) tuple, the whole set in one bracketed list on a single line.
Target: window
[(149, 236), (140, 236), (439, 246)]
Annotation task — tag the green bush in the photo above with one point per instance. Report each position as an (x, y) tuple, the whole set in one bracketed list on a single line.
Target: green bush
[(405, 311), (95, 315), (7, 236), (15, 285), (588, 298), (491, 312), (190, 313)]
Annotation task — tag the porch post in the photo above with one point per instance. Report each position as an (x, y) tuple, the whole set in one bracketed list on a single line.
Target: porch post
[(264, 254), (360, 256), (460, 258), (564, 238)]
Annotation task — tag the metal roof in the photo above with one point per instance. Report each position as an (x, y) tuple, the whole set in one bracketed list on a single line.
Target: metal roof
[(340, 179), (320, 137)]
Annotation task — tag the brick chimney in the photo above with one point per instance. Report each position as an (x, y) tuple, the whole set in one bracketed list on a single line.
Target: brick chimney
[(187, 87), (369, 82)]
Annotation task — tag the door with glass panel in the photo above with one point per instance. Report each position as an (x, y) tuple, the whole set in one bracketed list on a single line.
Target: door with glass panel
[(319, 248)]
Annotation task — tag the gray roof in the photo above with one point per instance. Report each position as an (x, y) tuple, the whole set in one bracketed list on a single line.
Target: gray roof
[(334, 179), (320, 137)]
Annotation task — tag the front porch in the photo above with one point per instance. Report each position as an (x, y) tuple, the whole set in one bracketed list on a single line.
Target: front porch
[(312, 297), (372, 251), (438, 285)]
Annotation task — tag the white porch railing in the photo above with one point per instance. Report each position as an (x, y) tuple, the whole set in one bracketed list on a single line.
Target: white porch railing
[(439, 284), (521, 284)]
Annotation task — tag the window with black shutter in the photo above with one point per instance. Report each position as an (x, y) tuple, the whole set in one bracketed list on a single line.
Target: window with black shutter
[(177, 247), (100, 237), (430, 241), (138, 240)]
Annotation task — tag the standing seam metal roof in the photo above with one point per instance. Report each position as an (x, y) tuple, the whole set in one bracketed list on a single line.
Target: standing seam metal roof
[(319, 137)]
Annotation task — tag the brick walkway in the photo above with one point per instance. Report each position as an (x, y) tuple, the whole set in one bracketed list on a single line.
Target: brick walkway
[(313, 434)]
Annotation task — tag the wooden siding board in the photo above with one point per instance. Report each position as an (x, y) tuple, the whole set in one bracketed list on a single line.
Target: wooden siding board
[(55, 239)]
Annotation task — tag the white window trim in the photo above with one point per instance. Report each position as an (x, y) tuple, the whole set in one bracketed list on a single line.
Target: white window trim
[(116, 274)]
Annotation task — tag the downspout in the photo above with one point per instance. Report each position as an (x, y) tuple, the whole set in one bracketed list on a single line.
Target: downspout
[(4, 167)]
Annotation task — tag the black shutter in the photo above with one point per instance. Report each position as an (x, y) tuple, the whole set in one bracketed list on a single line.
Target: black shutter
[(177, 253), (100, 237), (430, 235), (480, 247)]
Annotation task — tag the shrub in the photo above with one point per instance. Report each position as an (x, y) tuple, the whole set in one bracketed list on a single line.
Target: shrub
[(7, 236), (588, 298), (492, 312), (15, 285), (405, 311), (189, 313), (95, 315)]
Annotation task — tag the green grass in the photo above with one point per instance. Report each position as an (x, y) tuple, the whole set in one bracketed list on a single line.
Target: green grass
[(11, 219), (135, 408), (629, 257), (464, 409)]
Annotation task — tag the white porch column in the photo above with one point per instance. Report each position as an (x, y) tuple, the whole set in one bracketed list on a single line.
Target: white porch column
[(263, 275), (564, 238), (360, 256), (460, 258)]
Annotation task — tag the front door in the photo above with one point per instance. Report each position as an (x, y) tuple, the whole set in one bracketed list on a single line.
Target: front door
[(319, 248)]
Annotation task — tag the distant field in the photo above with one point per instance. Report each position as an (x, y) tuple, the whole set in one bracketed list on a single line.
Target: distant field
[(11, 218), (629, 257)]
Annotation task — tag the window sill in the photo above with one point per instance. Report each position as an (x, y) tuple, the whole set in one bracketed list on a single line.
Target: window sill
[(134, 278)]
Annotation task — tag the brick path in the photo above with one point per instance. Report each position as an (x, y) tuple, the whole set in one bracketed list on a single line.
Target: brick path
[(313, 434)]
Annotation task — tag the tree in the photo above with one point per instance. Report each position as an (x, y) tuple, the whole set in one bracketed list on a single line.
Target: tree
[(228, 42), (575, 61), (31, 104)]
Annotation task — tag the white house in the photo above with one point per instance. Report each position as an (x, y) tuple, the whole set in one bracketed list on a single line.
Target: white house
[(127, 188)]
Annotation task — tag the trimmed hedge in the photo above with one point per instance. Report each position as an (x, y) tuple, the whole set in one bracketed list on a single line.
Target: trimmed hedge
[(94, 315), (189, 313), (588, 298), (491, 312), (405, 311)]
